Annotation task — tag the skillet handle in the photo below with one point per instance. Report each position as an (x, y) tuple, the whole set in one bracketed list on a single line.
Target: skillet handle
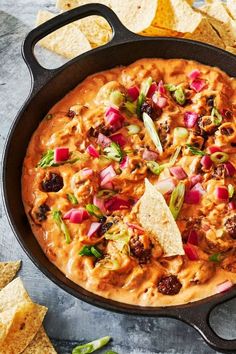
[(41, 74), (200, 320)]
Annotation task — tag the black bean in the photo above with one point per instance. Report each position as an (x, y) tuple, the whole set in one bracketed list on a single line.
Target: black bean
[(151, 109), (169, 285), (42, 211), (230, 226), (53, 184), (138, 250), (104, 228)]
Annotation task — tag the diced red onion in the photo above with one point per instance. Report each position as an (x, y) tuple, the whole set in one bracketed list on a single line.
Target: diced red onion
[(67, 215), (226, 285), (178, 172), (232, 205), (94, 227), (194, 74), (124, 163), (114, 120), (213, 149), (165, 186), (161, 88), (111, 110), (195, 179), (86, 172), (133, 93), (152, 89), (116, 203), (149, 155), (107, 175), (191, 252), (190, 119), (78, 216), (100, 203), (198, 85), (192, 197), (136, 227), (193, 237), (119, 139), (198, 187), (222, 193), (103, 140), (161, 102), (92, 151), (230, 169), (61, 154), (206, 162)]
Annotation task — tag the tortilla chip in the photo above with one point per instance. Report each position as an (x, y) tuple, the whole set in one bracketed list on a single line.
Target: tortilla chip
[(221, 21), (231, 50), (40, 344), (96, 29), (155, 216), (26, 323), (13, 294), (160, 32), (176, 15), (231, 6), (8, 271), (6, 319), (205, 32), (67, 41), (71, 4)]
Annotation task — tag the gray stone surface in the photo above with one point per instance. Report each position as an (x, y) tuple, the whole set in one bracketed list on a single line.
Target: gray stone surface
[(69, 320)]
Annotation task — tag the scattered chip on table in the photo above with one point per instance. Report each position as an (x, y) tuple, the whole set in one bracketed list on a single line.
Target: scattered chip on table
[(8, 271), (40, 344)]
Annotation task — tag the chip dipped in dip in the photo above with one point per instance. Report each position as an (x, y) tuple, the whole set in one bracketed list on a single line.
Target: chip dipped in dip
[(171, 122)]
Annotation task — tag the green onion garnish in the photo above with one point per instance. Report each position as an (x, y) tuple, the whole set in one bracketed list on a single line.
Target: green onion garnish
[(47, 159), (94, 210), (90, 251), (195, 151), (217, 257), (130, 107), (177, 199), (117, 98), (133, 129), (217, 116), (143, 93), (91, 346), (177, 93), (219, 157), (57, 216), (231, 190), (72, 198), (180, 132), (151, 129), (114, 152), (106, 193), (155, 167)]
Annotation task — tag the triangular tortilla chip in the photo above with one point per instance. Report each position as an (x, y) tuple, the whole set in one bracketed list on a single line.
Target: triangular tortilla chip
[(160, 32), (176, 15), (8, 271), (231, 6), (13, 294), (221, 21), (71, 4), (67, 41), (26, 323), (155, 216), (40, 344), (205, 32), (6, 319), (96, 29)]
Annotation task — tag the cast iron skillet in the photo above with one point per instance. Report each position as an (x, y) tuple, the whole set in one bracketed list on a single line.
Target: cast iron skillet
[(49, 86)]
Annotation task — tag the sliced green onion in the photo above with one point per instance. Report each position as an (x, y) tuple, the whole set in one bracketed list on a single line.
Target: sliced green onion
[(57, 216), (219, 157), (130, 107), (217, 116), (91, 346), (155, 167), (171, 87), (72, 198), (177, 199), (180, 133), (117, 98), (133, 129), (110, 352), (150, 126), (114, 152), (106, 193), (231, 190), (175, 155), (179, 96), (90, 251), (143, 93), (47, 159), (217, 257), (195, 151), (94, 210)]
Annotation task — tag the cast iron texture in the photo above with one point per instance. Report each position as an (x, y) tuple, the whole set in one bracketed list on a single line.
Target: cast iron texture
[(49, 86)]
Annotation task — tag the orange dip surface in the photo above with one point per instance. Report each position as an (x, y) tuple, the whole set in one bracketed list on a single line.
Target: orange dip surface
[(82, 202)]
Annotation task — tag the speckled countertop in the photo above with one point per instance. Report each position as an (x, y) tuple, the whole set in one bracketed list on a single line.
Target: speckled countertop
[(69, 320)]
